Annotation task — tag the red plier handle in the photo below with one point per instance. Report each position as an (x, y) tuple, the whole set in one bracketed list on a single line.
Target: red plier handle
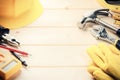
[(14, 50)]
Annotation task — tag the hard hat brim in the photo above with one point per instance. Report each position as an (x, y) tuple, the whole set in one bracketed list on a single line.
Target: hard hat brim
[(24, 19)]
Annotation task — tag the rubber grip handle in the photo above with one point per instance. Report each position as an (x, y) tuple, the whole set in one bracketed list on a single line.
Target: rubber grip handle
[(118, 44), (118, 32)]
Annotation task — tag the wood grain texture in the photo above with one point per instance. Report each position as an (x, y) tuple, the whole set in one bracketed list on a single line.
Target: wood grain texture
[(57, 45), (59, 18), (54, 74), (53, 36), (57, 56)]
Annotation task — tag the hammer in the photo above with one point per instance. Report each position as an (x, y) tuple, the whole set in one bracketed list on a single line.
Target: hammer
[(92, 17)]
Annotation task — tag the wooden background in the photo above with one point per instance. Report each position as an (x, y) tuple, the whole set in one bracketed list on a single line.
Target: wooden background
[(57, 46)]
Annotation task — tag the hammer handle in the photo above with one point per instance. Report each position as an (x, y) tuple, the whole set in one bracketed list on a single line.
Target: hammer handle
[(118, 32), (114, 29)]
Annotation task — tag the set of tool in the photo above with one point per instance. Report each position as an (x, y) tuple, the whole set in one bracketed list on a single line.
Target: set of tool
[(7, 40), (100, 31), (10, 64)]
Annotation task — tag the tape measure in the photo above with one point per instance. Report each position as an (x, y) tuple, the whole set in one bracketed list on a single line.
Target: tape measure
[(114, 6), (9, 66)]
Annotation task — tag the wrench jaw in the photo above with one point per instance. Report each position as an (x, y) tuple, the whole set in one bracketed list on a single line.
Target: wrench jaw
[(99, 32), (95, 33)]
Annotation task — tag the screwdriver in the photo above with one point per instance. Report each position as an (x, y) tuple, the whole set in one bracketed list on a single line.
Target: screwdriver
[(19, 58)]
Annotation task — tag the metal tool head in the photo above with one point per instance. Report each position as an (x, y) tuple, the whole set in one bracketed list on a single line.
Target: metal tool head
[(99, 32), (88, 17), (6, 38), (9, 40), (91, 17), (83, 22)]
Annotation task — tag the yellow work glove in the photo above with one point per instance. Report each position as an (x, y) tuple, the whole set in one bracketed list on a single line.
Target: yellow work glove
[(107, 58), (97, 73)]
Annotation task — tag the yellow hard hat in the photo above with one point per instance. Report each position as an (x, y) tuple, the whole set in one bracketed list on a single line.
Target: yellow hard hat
[(113, 5), (19, 13)]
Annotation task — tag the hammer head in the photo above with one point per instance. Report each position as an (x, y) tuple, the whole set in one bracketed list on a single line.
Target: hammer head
[(84, 21), (91, 17), (88, 17)]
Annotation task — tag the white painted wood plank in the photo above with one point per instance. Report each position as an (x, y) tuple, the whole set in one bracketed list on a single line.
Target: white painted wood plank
[(70, 4), (55, 74), (53, 36), (57, 56), (59, 18)]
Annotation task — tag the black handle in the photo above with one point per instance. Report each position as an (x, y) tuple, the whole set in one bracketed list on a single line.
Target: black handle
[(118, 32), (118, 44)]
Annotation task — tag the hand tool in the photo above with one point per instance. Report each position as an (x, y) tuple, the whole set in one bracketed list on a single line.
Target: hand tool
[(116, 17), (19, 58), (99, 32), (114, 7), (92, 17), (10, 67), (6, 38)]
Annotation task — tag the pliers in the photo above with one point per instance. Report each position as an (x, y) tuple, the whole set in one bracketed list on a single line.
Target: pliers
[(6, 38)]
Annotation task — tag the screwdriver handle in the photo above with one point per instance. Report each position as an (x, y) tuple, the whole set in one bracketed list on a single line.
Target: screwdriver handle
[(117, 44), (118, 32)]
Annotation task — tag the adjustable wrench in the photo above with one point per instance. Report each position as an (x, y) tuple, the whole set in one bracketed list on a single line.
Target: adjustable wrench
[(100, 32)]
